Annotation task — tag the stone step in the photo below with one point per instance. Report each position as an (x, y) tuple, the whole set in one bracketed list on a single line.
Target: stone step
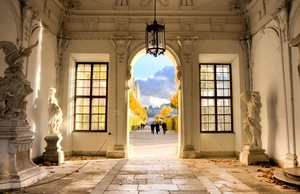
[(289, 175)]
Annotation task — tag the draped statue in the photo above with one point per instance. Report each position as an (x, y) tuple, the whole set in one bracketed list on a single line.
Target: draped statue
[(55, 113), (14, 87), (251, 121)]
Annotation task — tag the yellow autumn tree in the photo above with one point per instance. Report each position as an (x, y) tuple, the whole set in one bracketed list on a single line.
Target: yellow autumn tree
[(157, 117), (174, 100), (165, 111), (136, 107)]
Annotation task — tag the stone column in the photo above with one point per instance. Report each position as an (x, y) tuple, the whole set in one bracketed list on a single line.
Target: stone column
[(120, 150), (282, 18), (187, 147)]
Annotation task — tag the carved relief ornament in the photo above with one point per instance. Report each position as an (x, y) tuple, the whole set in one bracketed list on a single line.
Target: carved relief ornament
[(22, 145), (187, 44), (281, 17), (121, 45), (162, 2)]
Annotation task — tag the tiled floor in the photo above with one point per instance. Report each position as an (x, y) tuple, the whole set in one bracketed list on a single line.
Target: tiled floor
[(153, 168)]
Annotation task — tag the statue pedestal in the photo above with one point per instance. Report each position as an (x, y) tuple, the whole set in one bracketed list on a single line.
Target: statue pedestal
[(53, 151), (250, 156), (16, 167)]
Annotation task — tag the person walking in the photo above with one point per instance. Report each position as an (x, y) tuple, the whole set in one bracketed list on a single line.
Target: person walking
[(152, 128), (157, 127), (164, 126)]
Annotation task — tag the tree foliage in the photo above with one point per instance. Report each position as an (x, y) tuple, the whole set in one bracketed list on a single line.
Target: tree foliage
[(174, 100), (137, 108), (165, 111)]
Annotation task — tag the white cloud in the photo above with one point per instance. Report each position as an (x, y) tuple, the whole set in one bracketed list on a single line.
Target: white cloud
[(146, 101)]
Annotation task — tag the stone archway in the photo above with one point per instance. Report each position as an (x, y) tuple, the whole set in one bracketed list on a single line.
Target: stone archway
[(132, 58)]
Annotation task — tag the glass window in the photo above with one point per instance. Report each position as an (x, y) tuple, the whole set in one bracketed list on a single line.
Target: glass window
[(215, 98), (91, 97)]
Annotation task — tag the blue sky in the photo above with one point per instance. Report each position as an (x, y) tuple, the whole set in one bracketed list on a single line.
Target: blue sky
[(147, 65), (155, 76)]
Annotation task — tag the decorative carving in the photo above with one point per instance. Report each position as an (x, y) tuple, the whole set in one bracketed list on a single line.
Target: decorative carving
[(186, 3), (129, 72), (162, 2), (187, 44), (238, 5), (21, 145), (121, 44), (122, 2), (14, 87), (178, 76), (55, 113), (282, 17), (252, 127), (71, 4)]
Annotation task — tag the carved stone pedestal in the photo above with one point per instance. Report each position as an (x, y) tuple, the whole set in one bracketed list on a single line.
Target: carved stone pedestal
[(251, 156), (188, 151), (16, 166), (53, 151)]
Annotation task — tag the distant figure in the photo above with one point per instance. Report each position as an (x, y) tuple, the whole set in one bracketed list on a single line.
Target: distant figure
[(152, 126), (157, 127), (55, 113), (164, 126)]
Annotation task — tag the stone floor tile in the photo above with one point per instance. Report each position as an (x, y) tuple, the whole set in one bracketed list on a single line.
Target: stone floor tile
[(185, 181), (157, 187), (115, 187), (189, 192), (207, 183), (154, 192), (214, 191), (120, 192), (179, 176), (159, 181), (191, 187)]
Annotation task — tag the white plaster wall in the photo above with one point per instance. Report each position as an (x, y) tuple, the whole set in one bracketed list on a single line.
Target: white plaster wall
[(268, 80), (221, 51), (41, 75), (88, 51)]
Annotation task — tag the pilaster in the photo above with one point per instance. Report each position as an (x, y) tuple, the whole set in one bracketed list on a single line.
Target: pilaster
[(188, 58), (282, 18), (121, 44)]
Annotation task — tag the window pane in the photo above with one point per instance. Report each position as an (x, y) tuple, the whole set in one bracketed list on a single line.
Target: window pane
[(91, 82), (204, 127), (211, 127), (215, 95)]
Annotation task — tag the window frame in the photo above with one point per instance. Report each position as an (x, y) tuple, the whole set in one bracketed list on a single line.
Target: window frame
[(216, 98), (91, 96)]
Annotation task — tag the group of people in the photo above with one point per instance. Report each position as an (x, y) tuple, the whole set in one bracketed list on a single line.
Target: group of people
[(155, 125)]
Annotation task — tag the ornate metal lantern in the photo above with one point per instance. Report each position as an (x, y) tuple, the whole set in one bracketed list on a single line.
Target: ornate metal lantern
[(155, 37)]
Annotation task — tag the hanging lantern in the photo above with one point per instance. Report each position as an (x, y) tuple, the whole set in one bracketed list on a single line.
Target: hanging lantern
[(155, 37)]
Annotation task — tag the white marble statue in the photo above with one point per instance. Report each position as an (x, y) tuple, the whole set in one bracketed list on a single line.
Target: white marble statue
[(55, 113), (14, 87), (252, 127)]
